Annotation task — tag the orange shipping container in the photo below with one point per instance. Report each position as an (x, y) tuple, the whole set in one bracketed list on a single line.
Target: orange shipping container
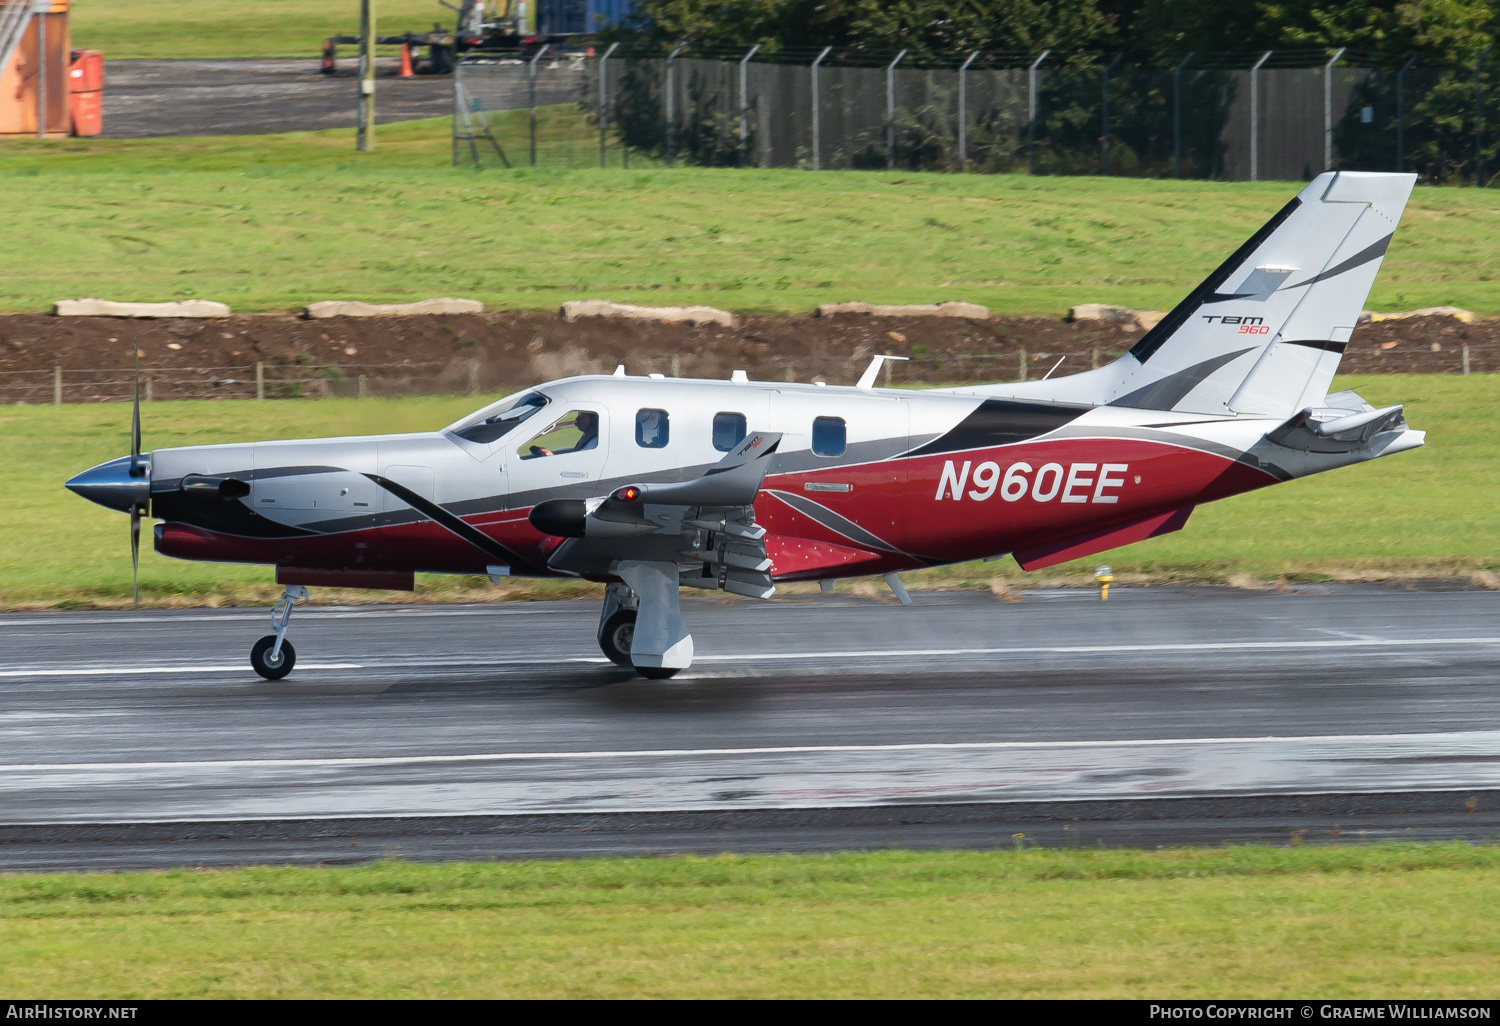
[(31, 66)]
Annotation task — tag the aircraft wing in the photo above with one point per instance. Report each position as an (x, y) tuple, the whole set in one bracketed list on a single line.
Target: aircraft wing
[(706, 525)]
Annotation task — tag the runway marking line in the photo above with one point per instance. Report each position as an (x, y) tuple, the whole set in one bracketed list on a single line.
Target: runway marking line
[(1475, 736), (113, 671), (865, 654)]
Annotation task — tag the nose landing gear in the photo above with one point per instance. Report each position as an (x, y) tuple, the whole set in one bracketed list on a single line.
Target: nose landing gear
[(273, 656)]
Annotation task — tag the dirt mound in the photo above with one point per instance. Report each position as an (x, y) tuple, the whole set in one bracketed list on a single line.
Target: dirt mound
[(486, 352)]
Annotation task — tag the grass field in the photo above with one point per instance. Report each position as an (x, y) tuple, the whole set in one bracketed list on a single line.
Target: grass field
[(1343, 922), (1434, 512), (236, 28), (273, 222)]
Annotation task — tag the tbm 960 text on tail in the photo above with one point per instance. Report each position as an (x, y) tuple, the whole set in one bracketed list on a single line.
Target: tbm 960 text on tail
[(651, 484)]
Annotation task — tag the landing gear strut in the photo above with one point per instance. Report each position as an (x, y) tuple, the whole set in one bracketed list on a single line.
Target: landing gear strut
[(641, 626), (273, 656)]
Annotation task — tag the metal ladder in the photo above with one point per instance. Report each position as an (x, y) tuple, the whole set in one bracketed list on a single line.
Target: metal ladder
[(15, 16)]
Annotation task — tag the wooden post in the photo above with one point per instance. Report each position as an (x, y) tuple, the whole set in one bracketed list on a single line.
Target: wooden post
[(1466, 359), (41, 75), (1094, 359), (56, 386), (260, 380), (363, 388), (365, 134), (1021, 364), (473, 375), (676, 366), (148, 390)]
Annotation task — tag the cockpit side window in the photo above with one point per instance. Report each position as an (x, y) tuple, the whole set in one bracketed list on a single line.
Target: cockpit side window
[(574, 431), (504, 419)]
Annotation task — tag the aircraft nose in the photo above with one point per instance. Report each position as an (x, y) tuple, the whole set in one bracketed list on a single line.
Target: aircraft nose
[(112, 484)]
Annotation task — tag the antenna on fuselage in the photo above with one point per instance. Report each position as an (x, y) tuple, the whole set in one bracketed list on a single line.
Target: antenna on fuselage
[(867, 379)]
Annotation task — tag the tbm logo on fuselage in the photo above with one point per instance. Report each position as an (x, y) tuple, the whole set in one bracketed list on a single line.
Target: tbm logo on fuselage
[(1076, 483)]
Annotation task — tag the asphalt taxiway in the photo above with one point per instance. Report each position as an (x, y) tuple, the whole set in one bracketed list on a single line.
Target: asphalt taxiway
[(1161, 716)]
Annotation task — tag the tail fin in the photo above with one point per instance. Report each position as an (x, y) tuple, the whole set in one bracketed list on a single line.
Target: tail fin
[(1264, 333)]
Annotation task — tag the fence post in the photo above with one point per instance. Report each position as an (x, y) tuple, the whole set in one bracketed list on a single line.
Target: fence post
[(365, 133), (1401, 113), (1177, 115), (963, 116), (41, 75), (890, 111), (260, 380), (671, 120), (473, 375), (1255, 116), (1465, 359), (149, 396), (745, 105), (1021, 364), (1031, 112), (363, 388), (1104, 134), (531, 85), (604, 99), (1479, 120), (817, 135), (56, 386), (457, 108), (1328, 109)]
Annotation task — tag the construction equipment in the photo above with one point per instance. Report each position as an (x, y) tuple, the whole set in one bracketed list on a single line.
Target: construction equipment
[(485, 26)]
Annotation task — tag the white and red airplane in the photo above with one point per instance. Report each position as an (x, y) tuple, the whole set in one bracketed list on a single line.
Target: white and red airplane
[(649, 484)]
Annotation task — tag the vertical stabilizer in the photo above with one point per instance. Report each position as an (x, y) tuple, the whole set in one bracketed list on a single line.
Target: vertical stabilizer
[(1263, 334)]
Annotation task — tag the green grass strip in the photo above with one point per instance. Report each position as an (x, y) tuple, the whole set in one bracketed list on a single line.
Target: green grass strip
[(274, 222), (1345, 921)]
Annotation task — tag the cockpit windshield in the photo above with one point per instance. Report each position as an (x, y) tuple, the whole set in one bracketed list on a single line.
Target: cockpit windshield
[(503, 418)]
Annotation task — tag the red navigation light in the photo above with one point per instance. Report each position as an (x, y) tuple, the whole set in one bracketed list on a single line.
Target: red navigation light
[(630, 493)]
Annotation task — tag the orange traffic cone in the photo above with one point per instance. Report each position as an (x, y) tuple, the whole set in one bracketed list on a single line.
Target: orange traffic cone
[(406, 60)]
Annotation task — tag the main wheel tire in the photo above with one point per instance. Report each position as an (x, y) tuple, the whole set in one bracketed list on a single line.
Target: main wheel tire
[(616, 635), (658, 672), (260, 658)]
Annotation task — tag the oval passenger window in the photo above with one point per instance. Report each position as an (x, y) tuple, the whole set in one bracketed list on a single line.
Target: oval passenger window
[(729, 430), (651, 429), (828, 436)]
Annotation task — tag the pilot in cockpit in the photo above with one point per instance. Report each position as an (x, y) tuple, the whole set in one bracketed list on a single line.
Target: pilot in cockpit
[(587, 424)]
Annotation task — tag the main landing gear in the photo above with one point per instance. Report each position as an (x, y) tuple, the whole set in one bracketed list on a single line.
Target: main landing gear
[(641, 625), (273, 656)]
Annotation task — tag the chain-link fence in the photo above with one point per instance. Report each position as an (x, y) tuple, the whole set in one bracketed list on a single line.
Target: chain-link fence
[(1279, 115)]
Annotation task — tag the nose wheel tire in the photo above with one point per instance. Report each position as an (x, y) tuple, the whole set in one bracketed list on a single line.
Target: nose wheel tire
[(616, 635), (260, 658), (658, 672)]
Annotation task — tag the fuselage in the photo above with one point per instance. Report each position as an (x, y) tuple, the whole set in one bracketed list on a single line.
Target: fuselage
[(865, 480)]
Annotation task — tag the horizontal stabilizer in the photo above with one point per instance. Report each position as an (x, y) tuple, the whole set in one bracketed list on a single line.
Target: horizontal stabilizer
[(733, 481)]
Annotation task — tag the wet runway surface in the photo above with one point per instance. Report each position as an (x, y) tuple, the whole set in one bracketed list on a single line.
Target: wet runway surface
[(805, 724)]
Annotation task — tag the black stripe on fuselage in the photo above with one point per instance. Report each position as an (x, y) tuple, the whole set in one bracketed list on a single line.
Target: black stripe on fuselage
[(1168, 325), (456, 525), (1001, 422)]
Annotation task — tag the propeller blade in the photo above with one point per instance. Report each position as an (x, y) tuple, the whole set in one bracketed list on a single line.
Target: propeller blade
[(135, 416), (135, 555)]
